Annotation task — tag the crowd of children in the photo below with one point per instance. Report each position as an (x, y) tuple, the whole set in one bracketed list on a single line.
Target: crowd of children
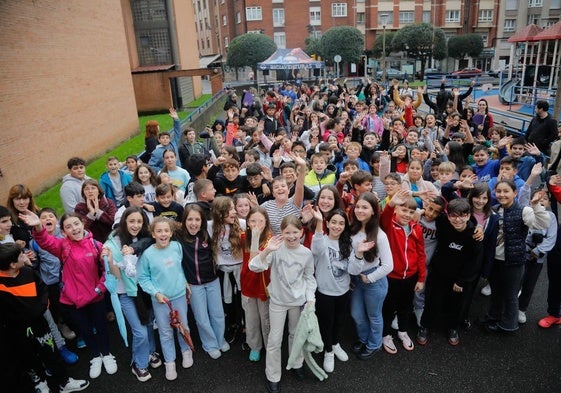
[(318, 198)]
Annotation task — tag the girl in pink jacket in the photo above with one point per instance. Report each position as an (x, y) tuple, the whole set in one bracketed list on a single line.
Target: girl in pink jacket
[(83, 283)]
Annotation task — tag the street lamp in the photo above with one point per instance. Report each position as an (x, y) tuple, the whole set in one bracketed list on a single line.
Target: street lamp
[(384, 20)]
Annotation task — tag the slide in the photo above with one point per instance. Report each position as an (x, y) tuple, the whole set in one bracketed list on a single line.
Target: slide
[(507, 92)]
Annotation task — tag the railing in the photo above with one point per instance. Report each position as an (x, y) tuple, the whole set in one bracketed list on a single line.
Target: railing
[(200, 109)]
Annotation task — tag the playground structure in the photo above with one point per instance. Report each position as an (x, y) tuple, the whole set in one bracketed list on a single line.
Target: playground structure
[(539, 63)]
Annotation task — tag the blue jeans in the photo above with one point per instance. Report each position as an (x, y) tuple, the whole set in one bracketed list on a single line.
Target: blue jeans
[(366, 309), (206, 304), (161, 313), (143, 343)]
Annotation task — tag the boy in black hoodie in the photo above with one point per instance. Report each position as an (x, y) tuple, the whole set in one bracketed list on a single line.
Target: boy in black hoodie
[(23, 301), (454, 266)]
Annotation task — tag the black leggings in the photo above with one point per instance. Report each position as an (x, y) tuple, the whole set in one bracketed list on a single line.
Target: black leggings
[(330, 311)]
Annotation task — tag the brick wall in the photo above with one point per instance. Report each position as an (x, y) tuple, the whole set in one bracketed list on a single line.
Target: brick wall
[(66, 87)]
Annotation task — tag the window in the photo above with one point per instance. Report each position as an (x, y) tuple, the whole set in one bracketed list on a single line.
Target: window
[(452, 16), (223, 20), (511, 5), (485, 39), (202, 44), (315, 16), (385, 18), (316, 34), (226, 42), (278, 1), (485, 15), (555, 5), (510, 25), (238, 17), (426, 16), (280, 40), (208, 43), (533, 18), (338, 10), (278, 17), (535, 3), (550, 22), (255, 32), (253, 13), (406, 17), (360, 18)]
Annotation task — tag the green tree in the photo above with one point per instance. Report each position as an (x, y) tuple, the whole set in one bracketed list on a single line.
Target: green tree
[(421, 41), (249, 49), (345, 41), (379, 44), (464, 45), (313, 46)]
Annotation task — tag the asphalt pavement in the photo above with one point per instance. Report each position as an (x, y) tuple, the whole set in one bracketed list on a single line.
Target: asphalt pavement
[(526, 361)]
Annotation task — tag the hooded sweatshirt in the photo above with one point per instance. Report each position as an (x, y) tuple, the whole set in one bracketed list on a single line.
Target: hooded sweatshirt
[(71, 192)]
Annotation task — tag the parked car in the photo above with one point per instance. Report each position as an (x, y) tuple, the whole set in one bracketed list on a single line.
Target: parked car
[(468, 72), (496, 73), (391, 73), (428, 72)]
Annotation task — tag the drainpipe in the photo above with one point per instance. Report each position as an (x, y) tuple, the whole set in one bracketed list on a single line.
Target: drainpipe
[(175, 91)]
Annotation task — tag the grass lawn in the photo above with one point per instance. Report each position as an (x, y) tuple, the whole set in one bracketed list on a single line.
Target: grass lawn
[(135, 145)]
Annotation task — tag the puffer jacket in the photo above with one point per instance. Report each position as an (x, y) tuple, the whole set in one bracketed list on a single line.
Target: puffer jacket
[(82, 269)]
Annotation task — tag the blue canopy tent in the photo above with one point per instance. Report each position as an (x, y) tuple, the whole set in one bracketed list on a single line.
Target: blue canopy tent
[(290, 59)]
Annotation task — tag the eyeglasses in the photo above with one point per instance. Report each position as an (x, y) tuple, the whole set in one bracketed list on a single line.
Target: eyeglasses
[(458, 216)]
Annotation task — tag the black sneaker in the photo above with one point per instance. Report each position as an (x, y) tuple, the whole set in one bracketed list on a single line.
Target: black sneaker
[(155, 360), (422, 336), (300, 373), (453, 337), (231, 333), (142, 374), (366, 353), (273, 387), (358, 347)]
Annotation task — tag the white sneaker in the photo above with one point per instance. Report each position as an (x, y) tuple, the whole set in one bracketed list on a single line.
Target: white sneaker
[(486, 290), (225, 347), (521, 316), (74, 385), (187, 359), (171, 374), (340, 353), (395, 326), (329, 362), (406, 341), (42, 387), (95, 367), (109, 364), (214, 353), (418, 314)]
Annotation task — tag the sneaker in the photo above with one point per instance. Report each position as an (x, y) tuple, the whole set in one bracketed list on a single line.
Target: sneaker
[(366, 353), (521, 316), (155, 360), (42, 387), (395, 326), (405, 341), (225, 347), (340, 353), (95, 367), (142, 374), (69, 357), (329, 362), (171, 374), (422, 336), (231, 333), (80, 343), (358, 347), (418, 314), (254, 356), (74, 385), (453, 337), (389, 346), (187, 359), (549, 321), (486, 290), (109, 364), (66, 332), (214, 353)]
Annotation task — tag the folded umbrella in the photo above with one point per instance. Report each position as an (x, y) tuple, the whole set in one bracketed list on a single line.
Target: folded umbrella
[(175, 322)]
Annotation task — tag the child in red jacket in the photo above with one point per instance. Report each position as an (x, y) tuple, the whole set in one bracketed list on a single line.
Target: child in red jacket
[(409, 268)]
